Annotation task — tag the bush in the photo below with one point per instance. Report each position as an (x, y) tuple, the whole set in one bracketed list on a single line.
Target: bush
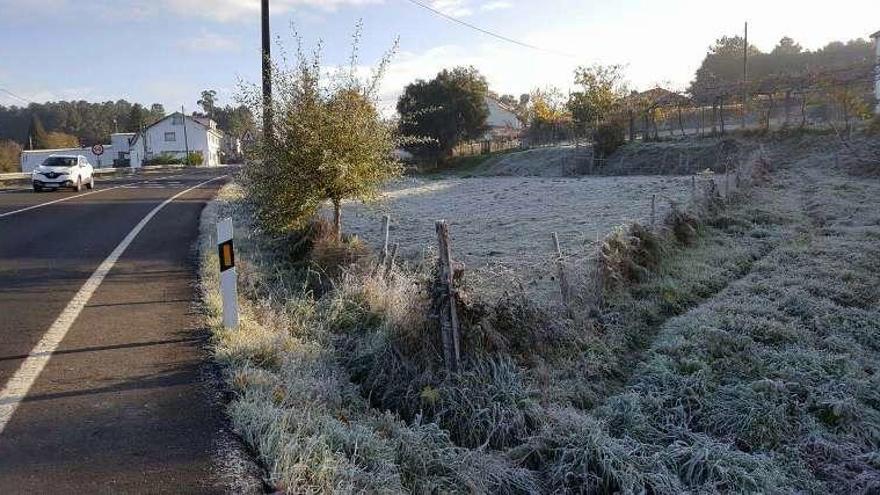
[(607, 138), (195, 159), (10, 156)]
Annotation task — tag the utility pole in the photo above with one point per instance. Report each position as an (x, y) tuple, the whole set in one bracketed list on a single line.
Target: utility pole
[(267, 71), (745, 74), (185, 136)]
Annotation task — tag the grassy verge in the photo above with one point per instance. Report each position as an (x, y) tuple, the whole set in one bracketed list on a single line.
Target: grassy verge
[(734, 352)]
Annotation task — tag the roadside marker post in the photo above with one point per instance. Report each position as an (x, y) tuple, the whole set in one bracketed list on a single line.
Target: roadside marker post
[(228, 277)]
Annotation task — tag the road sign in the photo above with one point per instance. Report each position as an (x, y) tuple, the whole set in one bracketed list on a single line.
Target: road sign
[(228, 277), (248, 137), (98, 149)]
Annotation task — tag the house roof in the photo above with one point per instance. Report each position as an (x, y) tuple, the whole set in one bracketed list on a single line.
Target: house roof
[(876, 35)]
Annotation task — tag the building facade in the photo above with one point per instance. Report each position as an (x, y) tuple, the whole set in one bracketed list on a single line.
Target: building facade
[(175, 135), (502, 122)]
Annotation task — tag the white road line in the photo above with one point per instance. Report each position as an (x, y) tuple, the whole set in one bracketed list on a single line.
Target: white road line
[(20, 384), (68, 198)]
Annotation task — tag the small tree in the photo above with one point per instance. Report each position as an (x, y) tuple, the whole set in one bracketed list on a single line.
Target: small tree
[(602, 89), (329, 143), (449, 109)]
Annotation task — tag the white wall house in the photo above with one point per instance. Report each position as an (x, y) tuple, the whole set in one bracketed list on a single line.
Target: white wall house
[(876, 37), (174, 135), (502, 121)]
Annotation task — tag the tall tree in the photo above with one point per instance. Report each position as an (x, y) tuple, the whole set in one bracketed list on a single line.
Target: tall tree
[(208, 102), (448, 109), (37, 133), (137, 118)]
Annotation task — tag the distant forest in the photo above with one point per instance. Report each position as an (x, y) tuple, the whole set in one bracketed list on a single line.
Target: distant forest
[(91, 123), (723, 65)]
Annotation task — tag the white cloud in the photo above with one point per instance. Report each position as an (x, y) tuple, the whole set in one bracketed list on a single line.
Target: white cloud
[(464, 8), (456, 8), (211, 42), (496, 5)]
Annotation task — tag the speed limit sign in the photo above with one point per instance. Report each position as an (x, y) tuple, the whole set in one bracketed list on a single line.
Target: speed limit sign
[(98, 149)]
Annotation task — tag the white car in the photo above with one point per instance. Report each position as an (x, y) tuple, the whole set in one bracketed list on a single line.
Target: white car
[(69, 171)]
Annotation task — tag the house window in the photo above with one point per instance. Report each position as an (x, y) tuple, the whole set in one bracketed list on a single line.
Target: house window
[(170, 137), (177, 120)]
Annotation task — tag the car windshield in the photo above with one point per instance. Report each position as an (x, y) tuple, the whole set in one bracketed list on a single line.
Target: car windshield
[(58, 161)]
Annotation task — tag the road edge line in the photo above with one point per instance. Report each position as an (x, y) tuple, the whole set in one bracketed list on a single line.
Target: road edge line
[(17, 388)]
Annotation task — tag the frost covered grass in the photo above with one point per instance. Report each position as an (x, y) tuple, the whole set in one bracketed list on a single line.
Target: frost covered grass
[(735, 350), (293, 402)]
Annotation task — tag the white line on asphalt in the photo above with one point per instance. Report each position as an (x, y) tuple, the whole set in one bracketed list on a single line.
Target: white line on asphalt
[(68, 198), (20, 384)]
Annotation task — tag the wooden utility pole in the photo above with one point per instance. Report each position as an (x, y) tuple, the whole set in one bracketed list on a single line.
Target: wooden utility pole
[(267, 71), (185, 137), (745, 75)]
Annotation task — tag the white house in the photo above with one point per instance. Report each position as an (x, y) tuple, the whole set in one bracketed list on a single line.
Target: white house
[(876, 37), (502, 121), (175, 135)]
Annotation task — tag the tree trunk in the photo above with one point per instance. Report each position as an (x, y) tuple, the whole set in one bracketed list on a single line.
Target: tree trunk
[(787, 107), (680, 122), (803, 109), (337, 219)]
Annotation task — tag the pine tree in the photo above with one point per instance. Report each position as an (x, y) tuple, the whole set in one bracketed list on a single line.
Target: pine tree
[(37, 133)]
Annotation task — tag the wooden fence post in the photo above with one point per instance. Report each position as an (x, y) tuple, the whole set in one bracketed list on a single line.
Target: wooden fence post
[(600, 283), (448, 312), (563, 281), (390, 264), (386, 227)]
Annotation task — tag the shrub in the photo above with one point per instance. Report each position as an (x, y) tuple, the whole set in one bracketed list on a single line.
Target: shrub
[(195, 159), (607, 138)]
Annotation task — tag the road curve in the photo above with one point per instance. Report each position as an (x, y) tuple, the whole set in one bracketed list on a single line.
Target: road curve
[(121, 405)]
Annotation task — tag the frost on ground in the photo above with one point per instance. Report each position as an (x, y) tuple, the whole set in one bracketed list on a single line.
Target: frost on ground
[(662, 158), (504, 224)]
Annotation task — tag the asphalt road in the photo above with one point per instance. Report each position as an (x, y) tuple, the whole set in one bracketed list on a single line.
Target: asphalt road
[(122, 404)]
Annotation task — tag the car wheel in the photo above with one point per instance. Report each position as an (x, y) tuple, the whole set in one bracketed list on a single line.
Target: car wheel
[(79, 184), (91, 184), (38, 189)]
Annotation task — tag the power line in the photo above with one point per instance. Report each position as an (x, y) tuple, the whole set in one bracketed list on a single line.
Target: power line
[(487, 32), (10, 93)]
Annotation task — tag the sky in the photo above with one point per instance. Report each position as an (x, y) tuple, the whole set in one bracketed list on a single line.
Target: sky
[(167, 51)]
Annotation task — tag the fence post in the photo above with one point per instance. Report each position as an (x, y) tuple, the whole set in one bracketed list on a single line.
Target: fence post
[(390, 264), (386, 227), (653, 210), (563, 281), (600, 283), (448, 313)]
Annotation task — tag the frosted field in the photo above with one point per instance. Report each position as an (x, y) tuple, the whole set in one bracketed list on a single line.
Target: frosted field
[(504, 224)]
